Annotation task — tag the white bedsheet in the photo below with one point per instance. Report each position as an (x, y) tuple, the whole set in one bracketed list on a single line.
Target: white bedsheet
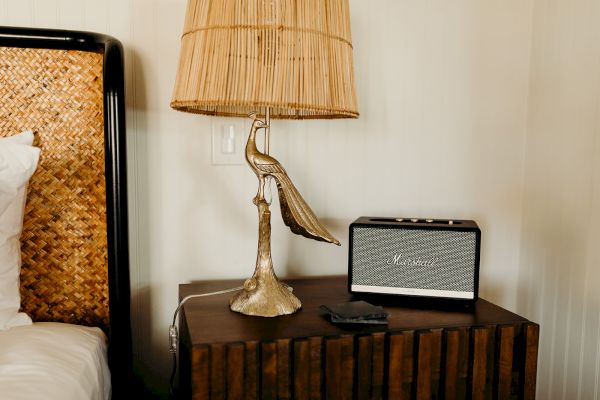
[(50, 361)]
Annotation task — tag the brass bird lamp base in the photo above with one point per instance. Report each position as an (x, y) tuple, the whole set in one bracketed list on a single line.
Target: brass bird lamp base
[(263, 295)]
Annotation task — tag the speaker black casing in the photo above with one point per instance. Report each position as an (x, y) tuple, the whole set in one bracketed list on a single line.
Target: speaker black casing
[(415, 258)]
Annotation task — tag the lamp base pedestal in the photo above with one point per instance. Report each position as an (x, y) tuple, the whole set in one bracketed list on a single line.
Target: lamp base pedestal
[(263, 294), (269, 298)]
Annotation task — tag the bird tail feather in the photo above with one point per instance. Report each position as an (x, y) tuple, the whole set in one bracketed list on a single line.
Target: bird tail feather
[(297, 214)]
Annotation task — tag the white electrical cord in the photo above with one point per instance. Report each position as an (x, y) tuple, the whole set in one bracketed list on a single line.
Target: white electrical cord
[(174, 334)]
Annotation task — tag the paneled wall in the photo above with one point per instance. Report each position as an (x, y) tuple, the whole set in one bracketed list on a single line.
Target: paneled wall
[(443, 95), (560, 244)]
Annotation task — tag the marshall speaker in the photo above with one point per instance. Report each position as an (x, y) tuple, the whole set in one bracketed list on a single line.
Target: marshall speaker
[(414, 257)]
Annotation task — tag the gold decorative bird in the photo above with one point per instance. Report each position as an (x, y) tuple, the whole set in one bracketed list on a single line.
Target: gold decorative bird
[(296, 214)]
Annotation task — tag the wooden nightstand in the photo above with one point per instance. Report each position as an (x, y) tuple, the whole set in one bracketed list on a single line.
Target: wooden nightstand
[(484, 352)]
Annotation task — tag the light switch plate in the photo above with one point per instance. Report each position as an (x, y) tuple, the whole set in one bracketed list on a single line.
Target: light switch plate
[(229, 140)]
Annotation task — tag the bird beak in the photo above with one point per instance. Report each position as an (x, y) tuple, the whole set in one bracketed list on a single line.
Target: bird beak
[(265, 126)]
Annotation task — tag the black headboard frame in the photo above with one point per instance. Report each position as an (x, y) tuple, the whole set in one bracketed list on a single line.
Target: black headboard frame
[(120, 347)]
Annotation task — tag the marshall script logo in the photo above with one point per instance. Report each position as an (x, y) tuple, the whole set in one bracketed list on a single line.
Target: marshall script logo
[(398, 259)]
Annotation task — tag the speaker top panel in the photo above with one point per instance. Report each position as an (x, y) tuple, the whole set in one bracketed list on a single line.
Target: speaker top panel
[(417, 223)]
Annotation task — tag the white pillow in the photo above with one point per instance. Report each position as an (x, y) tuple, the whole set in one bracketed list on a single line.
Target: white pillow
[(18, 160)]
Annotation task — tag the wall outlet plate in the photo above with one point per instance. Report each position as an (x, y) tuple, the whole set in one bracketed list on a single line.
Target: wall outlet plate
[(229, 140)]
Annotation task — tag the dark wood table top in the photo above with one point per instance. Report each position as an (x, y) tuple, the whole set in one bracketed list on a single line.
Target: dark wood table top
[(210, 321)]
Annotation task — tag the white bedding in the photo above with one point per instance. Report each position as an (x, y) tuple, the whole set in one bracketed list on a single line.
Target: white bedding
[(50, 360)]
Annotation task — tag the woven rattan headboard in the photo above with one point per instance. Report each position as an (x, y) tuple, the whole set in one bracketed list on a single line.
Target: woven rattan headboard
[(68, 88), (58, 95)]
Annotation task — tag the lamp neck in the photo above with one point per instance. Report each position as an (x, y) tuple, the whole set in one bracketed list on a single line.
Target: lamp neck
[(267, 129)]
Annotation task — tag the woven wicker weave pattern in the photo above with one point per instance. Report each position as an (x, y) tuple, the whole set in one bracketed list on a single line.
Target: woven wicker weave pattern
[(294, 56), (58, 95)]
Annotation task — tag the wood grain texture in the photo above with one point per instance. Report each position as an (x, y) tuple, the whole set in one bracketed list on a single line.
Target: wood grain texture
[(211, 322), (428, 364), (483, 367), (339, 368), (377, 390), (268, 381), (370, 365), (316, 367), (378, 366), (455, 365), (364, 366), (251, 364), (284, 387), (491, 361), (504, 361), (531, 339), (200, 371), (301, 385), (436, 360), (218, 377), (235, 371), (401, 365)]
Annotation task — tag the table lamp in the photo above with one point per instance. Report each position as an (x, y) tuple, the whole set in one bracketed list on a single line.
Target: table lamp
[(280, 59)]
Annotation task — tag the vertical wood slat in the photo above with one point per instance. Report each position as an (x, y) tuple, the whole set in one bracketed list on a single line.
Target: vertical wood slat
[(251, 363), (283, 369), (316, 368), (235, 371), (217, 372), (504, 361), (436, 361), (370, 366), (483, 363), (301, 369), (347, 367), (364, 364), (200, 373), (455, 365), (339, 368), (428, 364), (450, 363), (531, 333), (268, 380), (364, 367), (400, 365), (378, 366)]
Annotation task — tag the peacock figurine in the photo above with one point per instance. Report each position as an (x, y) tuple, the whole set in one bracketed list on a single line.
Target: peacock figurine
[(297, 215), (263, 294)]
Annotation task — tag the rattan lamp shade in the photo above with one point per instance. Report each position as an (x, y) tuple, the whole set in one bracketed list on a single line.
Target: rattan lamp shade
[(293, 56)]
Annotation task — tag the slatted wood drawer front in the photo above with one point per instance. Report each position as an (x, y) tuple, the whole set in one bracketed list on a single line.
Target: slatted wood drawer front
[(477, 352), (483, 362)]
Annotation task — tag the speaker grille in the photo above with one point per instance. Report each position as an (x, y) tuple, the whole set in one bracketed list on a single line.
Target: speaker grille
[(411, 258)]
